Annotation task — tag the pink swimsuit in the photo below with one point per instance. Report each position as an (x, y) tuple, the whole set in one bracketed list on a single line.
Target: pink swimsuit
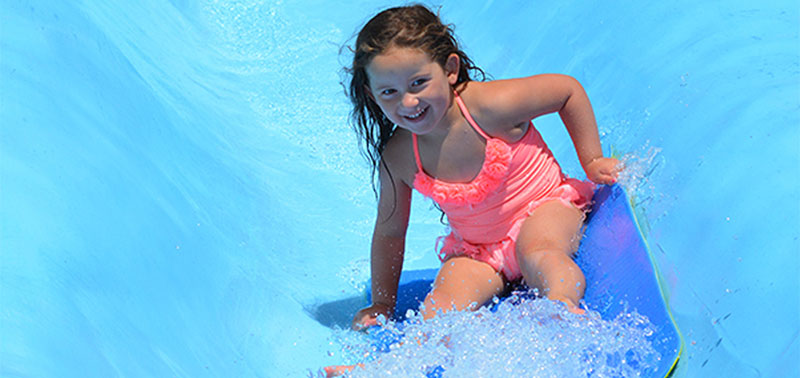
[(485, 214)]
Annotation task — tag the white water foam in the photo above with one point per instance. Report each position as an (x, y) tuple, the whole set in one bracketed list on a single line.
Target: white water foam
[(519, 337)]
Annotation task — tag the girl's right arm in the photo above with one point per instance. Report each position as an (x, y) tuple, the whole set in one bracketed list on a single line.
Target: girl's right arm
[(388, 247)]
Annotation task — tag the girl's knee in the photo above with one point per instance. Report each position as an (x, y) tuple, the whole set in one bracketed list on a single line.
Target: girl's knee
[(439, 301)]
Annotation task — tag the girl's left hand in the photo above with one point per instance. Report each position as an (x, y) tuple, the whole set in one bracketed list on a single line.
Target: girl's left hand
[(603, 170)]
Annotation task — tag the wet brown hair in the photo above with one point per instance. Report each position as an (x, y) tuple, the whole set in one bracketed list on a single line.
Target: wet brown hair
[(412, 26)]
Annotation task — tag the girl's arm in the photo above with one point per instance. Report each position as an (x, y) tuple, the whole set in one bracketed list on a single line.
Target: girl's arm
[(518, 100), (577, 115), (388, 247)]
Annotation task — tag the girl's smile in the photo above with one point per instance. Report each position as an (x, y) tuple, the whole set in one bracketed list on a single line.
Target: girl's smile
[(413, 91)]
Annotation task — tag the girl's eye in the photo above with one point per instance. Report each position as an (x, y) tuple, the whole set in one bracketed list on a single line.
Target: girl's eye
[(418, 82), (387, 92)]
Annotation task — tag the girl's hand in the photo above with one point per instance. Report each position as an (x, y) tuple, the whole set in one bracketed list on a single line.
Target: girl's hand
[(603, 170), (368, 316)]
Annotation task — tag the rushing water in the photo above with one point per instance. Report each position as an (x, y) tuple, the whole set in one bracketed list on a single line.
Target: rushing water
[(520, 337), (180, 194)]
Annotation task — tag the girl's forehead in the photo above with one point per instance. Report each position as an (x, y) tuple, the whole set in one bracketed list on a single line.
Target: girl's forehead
[(398, 60), (394, 50)]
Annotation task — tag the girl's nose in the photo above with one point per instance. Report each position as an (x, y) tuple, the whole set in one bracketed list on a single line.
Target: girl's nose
[(410, 100)]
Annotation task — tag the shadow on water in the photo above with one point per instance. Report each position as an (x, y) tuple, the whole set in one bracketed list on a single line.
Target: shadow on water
[(414, 285), (338, 313)]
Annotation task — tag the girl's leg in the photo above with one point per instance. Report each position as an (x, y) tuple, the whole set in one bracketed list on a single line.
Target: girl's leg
[(462, 283), (546, 243)]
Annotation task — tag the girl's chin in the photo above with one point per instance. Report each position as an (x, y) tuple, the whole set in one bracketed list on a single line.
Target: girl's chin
[(419, 129)]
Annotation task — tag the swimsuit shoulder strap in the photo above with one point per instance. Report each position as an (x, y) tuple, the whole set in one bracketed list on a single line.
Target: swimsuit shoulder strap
[(469, 118), (416, 152)]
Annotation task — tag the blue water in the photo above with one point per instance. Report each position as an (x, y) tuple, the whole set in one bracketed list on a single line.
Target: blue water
[(179, 190)]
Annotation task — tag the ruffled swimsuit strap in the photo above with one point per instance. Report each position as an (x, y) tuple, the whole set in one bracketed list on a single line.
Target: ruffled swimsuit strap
[(469, 118)]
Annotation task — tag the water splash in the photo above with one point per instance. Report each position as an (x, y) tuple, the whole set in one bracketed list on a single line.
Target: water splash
[(639, 167), (356, 274), (642, 178), (518, 337)]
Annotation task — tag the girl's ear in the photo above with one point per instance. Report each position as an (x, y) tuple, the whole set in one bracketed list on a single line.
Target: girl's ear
[(451, 66)]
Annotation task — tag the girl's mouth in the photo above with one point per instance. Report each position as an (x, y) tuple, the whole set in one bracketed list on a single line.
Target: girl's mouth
[(417, 115)]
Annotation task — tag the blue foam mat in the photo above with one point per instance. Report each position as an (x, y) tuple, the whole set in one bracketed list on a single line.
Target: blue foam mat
[(620, 276)]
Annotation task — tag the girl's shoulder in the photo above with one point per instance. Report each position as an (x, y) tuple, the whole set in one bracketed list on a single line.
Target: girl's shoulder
[(500, 96), (495, 106), (503, 105), (524, 96)]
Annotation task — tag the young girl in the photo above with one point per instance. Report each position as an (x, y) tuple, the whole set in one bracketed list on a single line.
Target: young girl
[(472, 148)]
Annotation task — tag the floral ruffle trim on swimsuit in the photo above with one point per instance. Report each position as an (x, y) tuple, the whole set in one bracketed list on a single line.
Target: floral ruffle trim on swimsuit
[(494, 169)]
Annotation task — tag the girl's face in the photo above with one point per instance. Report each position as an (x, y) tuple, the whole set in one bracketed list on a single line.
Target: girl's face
[(412, 90)]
